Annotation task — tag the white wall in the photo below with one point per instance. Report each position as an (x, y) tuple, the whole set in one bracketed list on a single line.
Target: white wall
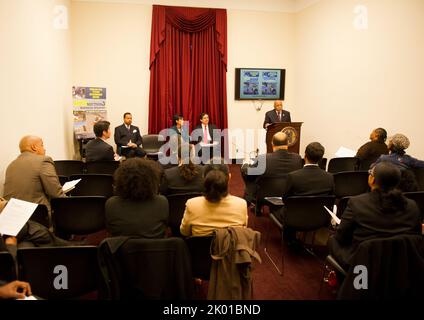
[(111, 48), (117, 57), (35, 69), (350, 81)]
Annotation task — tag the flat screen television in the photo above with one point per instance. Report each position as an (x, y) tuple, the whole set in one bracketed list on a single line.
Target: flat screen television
[(259, 84)]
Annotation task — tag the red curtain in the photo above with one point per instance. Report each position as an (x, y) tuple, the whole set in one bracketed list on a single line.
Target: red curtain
[(188, 65)]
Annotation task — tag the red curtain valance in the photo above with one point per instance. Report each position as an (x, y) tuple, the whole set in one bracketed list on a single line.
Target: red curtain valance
[(188, 20)]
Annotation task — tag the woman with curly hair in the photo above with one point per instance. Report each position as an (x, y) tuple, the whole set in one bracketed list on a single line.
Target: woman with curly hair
[(137, 210)]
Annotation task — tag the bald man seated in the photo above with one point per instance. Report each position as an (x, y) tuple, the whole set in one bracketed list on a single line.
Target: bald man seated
[(32, 176)]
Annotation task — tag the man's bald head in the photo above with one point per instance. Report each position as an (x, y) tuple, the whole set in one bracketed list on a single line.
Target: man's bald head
[(279, 141), (32, 144)]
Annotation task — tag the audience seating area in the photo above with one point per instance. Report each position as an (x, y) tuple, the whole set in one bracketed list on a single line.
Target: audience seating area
[(135, 268)]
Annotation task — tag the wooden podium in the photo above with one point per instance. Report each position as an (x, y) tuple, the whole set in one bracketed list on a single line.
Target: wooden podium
[(291, 129)]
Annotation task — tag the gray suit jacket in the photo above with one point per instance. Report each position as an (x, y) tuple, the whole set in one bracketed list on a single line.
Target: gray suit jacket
[(32, 178)]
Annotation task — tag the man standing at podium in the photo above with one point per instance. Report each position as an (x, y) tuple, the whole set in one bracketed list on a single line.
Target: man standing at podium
[(276, 115)]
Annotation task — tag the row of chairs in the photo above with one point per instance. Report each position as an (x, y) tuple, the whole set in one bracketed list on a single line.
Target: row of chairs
[(82, 215), (140, 269), (67, 168)]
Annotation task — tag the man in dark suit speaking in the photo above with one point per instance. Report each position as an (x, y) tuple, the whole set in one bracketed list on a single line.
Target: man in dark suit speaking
[(276, 115), (128, 139)]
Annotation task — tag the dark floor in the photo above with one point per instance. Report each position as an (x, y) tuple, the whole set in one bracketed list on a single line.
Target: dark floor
[(303, 272)]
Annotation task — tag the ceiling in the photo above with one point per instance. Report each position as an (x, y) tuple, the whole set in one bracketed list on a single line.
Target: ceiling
[(254, 5)]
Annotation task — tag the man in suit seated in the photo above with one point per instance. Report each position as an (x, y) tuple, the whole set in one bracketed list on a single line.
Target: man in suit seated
[(128, 139), (206, 134), (98, 149), (32, 176), (276, 115), (311, 180), (276, 164)]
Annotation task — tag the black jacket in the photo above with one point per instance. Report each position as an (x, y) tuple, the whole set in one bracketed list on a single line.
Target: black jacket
[(275, 164), (173, 182), (364, 219), (99, 150), (146, 219), (309, 181), (271, 117), (123, 135)]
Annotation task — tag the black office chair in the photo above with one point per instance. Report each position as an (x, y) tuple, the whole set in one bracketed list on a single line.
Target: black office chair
[(268, 187), (343, 164), (63, 179), (200, 252), (350, 183), (102, 167), (93, 185), (146, 269), (341, 205), (301, 213), (7, 267), (364, 165), (394, 269), (41, 215), (152, 144), (60, 272), (68, 167), (78, 215), (176, 210)]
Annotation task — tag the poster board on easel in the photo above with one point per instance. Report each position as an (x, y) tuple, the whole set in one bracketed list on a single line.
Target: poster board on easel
[(89, 106)]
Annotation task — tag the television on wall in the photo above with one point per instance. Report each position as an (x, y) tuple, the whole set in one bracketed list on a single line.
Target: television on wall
[(259, 84)]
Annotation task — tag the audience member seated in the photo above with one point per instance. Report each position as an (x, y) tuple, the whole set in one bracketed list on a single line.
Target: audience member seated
[(381, 213), (128, 139), (32, 234), (275, 164), (187, 177), (217, 208), (137, 210), (370, 151), (98, 149), (32, 176), (178, 130), (311, 180), (397, 146)]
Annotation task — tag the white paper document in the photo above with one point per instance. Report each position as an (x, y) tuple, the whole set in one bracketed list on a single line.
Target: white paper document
[(202, 144), (333, 214), (14, 216), (345, 152), (28, 298), (68, 186)]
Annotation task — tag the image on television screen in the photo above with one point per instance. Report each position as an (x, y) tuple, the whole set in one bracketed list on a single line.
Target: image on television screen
[(253, 84)]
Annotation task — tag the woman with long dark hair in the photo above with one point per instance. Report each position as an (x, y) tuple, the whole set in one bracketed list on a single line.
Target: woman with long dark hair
[(381, 213), (216, 208)]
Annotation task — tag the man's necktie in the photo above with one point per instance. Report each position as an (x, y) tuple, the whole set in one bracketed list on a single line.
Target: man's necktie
[(205, 135), (279, 116)]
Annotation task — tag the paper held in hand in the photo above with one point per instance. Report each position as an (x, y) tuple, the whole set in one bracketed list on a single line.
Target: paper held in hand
[(333, 214), (14, 216), (68, 186)]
